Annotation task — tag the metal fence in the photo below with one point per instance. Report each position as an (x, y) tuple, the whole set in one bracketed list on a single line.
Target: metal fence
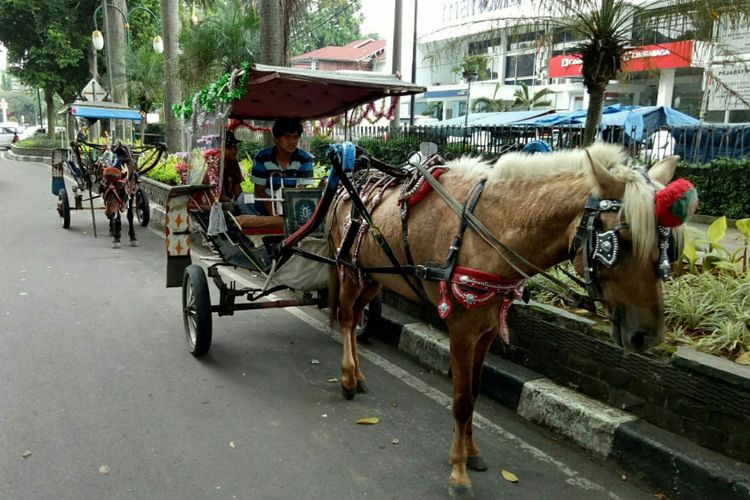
[(694, 144)]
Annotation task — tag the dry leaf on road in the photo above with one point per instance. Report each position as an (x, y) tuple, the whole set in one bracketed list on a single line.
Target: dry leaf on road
[(104, 469), (368, 421), (509, 476)]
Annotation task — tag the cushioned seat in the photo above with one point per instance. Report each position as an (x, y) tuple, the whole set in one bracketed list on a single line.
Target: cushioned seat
[(260, 224)]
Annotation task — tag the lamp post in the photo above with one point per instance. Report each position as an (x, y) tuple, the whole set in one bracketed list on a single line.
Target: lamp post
[(98, 40), (469, 76), (99, 43)]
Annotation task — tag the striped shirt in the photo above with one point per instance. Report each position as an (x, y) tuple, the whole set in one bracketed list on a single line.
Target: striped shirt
[(265, 167)]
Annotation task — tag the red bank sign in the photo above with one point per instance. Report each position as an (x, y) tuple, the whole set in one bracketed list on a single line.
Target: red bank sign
[(648, 57)]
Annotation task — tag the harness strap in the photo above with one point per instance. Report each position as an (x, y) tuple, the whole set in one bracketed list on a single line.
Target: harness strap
[(375, 233)]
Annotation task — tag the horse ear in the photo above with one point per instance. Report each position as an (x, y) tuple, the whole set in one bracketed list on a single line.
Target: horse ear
[(609, 185), (663, 170)]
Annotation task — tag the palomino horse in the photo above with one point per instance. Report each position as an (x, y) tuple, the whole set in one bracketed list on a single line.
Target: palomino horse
[(533, 205), (117, 189)]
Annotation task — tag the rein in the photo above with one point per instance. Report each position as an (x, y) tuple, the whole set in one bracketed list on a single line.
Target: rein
[(500, 247)]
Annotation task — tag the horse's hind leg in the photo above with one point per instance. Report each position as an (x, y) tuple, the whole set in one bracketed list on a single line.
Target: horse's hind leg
[(131, 229)]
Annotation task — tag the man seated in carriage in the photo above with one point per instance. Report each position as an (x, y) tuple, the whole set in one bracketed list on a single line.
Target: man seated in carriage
[(284, 162)]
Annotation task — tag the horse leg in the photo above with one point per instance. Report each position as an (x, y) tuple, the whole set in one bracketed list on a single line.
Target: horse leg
[(117, 229), (474, 460), (464, 338), (365, 297), (348, 295), (131, 229)]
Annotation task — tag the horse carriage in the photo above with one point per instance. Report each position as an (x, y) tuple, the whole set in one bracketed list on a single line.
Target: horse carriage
[(461, 236), (110, 170)]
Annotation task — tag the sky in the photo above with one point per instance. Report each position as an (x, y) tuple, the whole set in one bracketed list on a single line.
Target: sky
[(378, 18)]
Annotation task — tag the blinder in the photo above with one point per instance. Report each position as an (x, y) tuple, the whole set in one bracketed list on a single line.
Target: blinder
[(605, 247)]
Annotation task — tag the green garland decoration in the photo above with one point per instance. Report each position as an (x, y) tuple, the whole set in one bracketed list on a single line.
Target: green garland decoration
[(214, 93)]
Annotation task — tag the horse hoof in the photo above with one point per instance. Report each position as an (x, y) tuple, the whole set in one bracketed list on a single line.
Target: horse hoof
[(115, 244), (460, 491), (362, 387), (348, 393), (133, 243), (476, 463)]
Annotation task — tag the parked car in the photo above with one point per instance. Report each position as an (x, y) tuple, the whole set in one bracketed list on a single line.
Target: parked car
[(8, 136)]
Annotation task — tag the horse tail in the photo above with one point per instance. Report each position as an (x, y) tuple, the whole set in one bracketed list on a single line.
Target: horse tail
[(334, 301)]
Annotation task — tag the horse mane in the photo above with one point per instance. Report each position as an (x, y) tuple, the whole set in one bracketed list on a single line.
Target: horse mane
[(638, 200)]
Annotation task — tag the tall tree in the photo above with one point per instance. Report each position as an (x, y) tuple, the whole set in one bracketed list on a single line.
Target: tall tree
[(276, 17), (526, 100), (327, 22), (48, 52), (170, 22)]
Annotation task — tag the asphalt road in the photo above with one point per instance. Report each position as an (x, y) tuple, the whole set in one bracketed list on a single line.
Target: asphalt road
[(99, 398)]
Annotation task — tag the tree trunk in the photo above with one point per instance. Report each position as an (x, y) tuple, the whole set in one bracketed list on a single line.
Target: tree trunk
[(48, 95), (116, 16), (594, 114), (170, 23), (274, 32)]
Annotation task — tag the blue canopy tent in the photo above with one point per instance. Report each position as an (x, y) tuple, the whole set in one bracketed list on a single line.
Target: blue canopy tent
[(637, 122), (706, 142), (492, 119), (94, 110)]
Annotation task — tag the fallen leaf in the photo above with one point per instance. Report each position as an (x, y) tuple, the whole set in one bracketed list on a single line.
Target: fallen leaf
[(104, 470), (509, 476), (26, 454), (231, 444), (743, 359), (660, 496), (395, 441), (332, 380), (624, 477), (368, 421), (325, 415), (314, 362)]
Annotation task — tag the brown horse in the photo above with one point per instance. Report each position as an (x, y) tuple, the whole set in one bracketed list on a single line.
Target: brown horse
[(532, 204), (119, 184)]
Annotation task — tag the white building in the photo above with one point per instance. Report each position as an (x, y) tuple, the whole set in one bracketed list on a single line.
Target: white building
[(666, 65)]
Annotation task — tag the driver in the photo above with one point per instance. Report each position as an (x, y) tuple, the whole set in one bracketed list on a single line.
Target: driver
[(284, 161)]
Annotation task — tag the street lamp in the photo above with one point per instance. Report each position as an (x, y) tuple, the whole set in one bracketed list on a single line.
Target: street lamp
[(469, 76), (98, 39)]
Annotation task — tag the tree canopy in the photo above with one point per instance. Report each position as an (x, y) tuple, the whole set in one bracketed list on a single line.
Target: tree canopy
[(326, 22)]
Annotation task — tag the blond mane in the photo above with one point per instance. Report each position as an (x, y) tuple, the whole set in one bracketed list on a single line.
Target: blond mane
[(638, 200)]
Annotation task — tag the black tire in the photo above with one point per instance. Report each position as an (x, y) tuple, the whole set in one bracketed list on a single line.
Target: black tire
[(371, 316), (63, 208), (142, 207), (196, 310)]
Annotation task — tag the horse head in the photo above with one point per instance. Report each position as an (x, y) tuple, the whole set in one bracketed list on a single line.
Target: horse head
[(621, 248)]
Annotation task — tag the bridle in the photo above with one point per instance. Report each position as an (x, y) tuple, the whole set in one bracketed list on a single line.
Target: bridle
[(604, 247)]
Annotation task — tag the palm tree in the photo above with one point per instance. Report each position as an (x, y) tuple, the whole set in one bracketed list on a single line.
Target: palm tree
[(216, 45), (170, 22), (146, 80), (527, 101), (605, 26), (487, 105)]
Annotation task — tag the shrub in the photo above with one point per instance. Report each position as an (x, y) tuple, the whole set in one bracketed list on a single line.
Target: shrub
[(722, 186), (41, 142)]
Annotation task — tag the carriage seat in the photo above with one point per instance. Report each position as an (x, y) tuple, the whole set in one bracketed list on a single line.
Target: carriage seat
[(260, 224)]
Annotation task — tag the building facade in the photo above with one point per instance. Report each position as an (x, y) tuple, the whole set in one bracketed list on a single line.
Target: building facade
[(666, 65)]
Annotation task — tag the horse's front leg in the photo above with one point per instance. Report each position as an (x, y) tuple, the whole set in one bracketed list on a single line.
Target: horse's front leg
[(474, 460), (365, 297), (464, 338), (131, 229), (117, 228)]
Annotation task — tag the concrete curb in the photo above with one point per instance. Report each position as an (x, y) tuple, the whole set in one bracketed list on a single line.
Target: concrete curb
[(675, 465), (670, 463)]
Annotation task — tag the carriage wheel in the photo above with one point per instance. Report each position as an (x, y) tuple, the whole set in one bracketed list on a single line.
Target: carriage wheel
[(63, 208), (370, 318), (142, 207), (196, 310)]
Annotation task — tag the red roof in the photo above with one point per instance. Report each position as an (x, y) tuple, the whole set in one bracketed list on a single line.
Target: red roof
[(355, 51)]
